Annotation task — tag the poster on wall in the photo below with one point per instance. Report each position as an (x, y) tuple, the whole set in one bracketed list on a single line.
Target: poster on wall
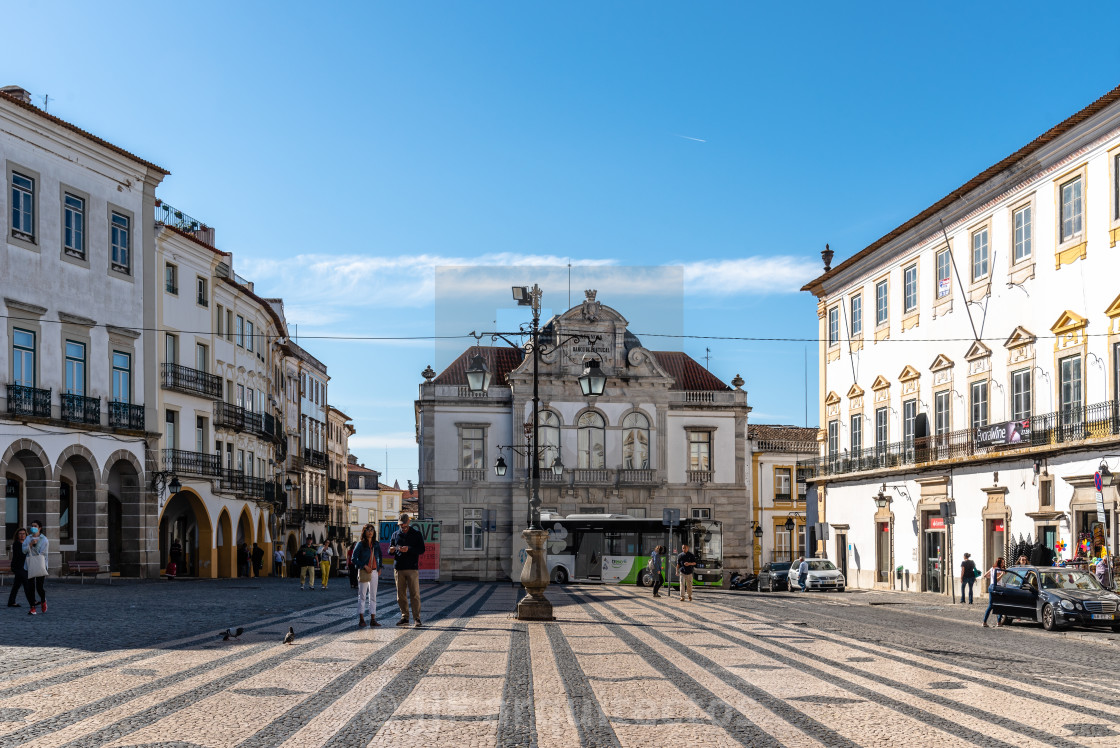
[(429, 561)]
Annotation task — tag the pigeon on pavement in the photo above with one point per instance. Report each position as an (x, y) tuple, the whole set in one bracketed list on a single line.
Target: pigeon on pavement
[(290, 637), (225, 635), (238, 633)]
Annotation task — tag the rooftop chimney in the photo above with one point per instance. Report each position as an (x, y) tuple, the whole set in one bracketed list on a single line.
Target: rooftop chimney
[(826, 255), (17, 92)]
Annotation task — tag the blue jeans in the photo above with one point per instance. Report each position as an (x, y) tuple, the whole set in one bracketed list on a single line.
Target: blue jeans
[(967, 582), (801, 581), (999, 618)]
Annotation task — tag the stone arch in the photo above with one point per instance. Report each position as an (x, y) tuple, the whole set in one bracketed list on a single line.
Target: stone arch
[(184, 518), (226, 548), (244, 533), (127, 517), (81, 519), (262, 533), (29, 481)]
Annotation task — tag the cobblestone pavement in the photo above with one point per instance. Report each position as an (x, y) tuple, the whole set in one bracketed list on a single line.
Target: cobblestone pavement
[(141, 665)]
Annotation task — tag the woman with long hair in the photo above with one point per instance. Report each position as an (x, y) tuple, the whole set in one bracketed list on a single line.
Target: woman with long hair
[(367, 558), (19, 574), (993, 574)]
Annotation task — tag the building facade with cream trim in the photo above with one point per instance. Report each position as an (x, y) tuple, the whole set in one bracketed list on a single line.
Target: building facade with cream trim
[(970, 362)]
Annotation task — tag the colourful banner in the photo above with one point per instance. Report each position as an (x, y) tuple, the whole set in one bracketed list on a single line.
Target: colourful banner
[(429, 559)]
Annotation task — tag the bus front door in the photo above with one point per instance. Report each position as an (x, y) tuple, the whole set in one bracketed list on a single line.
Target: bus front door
[(589, 556)]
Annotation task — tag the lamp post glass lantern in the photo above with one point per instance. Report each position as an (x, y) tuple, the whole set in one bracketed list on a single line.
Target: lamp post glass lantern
[(500, 466)]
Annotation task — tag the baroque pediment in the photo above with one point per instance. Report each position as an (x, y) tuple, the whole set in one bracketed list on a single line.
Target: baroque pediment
[(909, 374), (832, 399), (1113, 308), (855, 391), (977, 350), (1067, 322), (1020, 336), (941, 363), (881, 383)]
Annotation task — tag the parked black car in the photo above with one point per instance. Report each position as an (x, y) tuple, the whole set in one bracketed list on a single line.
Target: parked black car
[(1056, 596), (773, 576)]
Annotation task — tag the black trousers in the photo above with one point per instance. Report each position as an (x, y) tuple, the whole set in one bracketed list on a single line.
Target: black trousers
[(31, 586), (19, 579), (658, 582)]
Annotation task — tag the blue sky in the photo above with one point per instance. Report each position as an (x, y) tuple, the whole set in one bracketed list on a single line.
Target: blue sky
[(345, 150)]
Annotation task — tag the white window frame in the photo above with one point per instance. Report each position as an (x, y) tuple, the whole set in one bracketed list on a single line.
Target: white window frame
[(1021, 394), (1021, 233), (120, 242), (855, 433), (882, 303), (910, 288), (944, 263), (980, 245), (978, 404), (834, 325), (855, 309), (22, 213), (473, 532), (74, 225), (1075, 205)]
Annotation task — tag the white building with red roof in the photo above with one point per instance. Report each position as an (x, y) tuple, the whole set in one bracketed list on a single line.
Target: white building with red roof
[(666, 433)]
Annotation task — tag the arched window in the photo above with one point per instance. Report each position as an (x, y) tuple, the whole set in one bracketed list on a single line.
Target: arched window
[(635, 442), (549, 438), (592, 453)]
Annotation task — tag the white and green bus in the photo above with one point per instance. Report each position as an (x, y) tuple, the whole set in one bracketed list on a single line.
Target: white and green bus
[(615, 548)]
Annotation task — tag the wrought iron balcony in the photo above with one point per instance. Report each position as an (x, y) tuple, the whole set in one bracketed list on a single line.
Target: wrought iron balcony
[(254, 487), (29, 401), (336, 486), (316, 512), (192, 463), (230, 416), (314, 458), (80, 409), (273, 429), (126, 416), (191, 381), (297, 463), (294, 517), (1068, 427), (231, 481)]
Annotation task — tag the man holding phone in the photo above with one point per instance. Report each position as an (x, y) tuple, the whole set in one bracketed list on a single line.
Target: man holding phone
[(406, 546)]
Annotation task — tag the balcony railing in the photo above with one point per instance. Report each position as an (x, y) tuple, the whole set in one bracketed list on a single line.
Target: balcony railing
[(230, 416), (29, 401), (628, 475), (294, 517), (336, 486), (584, 475), (314, 458), (698, 476), (192, 463), (126, 416), (1051, 429), (191, 381), (272, 428), (231, 481), (254, 487), (80, 409), (316, 512), (297, 462), (472, 473)]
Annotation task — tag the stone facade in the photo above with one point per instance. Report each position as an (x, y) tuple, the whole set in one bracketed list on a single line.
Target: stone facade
[(627, 451)]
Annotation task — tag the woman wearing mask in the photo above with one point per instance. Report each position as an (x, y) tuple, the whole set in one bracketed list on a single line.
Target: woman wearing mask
[(366, 558), (993, 574), (36, 547), (19, 574)]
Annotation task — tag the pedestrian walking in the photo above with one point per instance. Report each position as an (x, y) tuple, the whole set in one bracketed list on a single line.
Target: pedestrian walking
[(175, 556), (968, 577), (802, 572), (655, 560), (326, 553), (278, 563), (258, 559), (19, 573), (993, 574), (365, 556), (406, 546), (306, 561), (36, 548), (243, 560), (686, 565)]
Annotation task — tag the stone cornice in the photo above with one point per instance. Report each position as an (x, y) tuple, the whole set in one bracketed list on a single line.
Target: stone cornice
[(75, 319), (24, 306)]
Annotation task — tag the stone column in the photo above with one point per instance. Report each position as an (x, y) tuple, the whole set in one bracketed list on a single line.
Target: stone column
[(101, 525), (534, 578)]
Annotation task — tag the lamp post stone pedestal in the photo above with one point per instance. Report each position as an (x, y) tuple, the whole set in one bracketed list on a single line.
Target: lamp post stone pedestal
[(534, 578)]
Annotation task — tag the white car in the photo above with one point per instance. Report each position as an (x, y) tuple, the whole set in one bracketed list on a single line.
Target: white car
[(823, 575)]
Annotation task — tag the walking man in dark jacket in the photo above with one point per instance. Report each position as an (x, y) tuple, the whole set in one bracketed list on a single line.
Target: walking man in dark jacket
[(686, 565), (258, 559), (968, 577), (406, 546), (307, 560)]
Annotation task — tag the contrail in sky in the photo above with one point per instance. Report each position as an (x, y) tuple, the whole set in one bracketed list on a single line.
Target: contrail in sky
[(689, 137)]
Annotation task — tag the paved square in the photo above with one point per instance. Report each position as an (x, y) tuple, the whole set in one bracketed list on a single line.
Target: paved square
[(142, 665)]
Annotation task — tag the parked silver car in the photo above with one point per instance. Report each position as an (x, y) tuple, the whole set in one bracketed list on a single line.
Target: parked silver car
[(823, 575)]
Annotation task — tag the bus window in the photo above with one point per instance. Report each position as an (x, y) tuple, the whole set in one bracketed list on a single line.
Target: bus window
[(630, 543), (651, 540), (612, 544)]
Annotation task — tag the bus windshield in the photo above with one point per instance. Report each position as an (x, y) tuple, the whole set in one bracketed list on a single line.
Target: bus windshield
[(707, 542)]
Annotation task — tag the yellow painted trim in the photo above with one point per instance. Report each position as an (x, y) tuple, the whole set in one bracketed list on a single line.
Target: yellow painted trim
[(908, 373), (1113, 310), (855, 344), (1113, 236), (880, 383), (910, 321), (882, 333), (834, 353), (1071, 255), (756, 543)]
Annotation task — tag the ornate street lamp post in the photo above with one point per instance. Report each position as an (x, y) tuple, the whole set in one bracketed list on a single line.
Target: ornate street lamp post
[(534, 574)]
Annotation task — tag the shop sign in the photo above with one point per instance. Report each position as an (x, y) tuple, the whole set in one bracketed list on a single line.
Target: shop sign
[(997, 525), (937, 523), (1000, 434)]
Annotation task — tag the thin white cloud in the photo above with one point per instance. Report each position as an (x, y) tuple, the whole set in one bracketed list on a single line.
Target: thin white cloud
[(689, 137), (757, 275)]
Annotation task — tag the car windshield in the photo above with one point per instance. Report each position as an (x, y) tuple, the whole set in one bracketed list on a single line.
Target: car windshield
[(779, 567), (822, 566), (1069, 580)]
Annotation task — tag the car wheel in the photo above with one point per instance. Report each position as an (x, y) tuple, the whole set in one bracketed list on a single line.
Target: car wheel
[(1048, 621), (640, 581), (559, 575)]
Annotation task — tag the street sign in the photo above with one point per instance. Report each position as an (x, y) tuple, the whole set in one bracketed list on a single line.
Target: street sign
[(1100, 502), (1098, 482), (670, 517)]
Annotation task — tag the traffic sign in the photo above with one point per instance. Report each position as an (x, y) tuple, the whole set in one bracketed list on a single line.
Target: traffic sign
[(1097, 481), (670, 517)]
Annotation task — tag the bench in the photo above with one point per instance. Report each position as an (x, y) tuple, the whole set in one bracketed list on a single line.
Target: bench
[(83, 568), (5, 568)]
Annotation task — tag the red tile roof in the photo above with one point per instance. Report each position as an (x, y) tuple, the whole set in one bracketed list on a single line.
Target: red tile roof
[(196, 240), (74, 128), (500, 360), (1050, 135), (687, 374), (769, 432)]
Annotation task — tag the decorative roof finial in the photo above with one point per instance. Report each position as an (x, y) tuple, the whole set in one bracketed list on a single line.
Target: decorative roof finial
[(428, 373), (826, 255), (738, 382)]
